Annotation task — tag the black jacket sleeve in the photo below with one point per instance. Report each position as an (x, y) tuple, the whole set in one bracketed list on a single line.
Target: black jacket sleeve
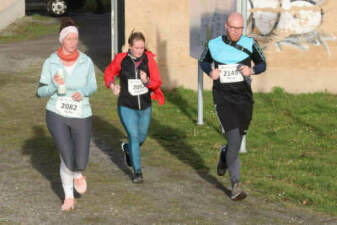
[(258, 58), (205, 61)]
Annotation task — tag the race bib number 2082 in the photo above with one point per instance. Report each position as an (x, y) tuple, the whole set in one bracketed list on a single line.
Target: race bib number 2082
[(67, 107)]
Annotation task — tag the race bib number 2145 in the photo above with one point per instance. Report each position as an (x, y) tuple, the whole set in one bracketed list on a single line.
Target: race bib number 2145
[(230, 73)]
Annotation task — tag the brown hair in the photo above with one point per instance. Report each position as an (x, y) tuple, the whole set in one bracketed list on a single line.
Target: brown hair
[(135, 36), (67, 22)]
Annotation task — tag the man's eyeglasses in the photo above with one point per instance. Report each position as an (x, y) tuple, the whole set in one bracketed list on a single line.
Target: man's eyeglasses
[(235, 28)]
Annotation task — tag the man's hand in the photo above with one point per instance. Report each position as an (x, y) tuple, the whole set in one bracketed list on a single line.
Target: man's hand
[(246, 70), (215, 74)]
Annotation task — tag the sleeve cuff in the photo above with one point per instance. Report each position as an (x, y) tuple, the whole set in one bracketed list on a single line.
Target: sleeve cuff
[(53, 88), (147, 84), (82, 93), (111, 82)]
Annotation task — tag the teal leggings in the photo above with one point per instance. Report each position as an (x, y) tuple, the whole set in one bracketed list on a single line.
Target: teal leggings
[(136, 124)]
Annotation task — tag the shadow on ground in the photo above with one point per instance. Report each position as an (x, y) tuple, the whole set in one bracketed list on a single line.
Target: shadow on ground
[(174, 142), (108, 138), (44, 158)]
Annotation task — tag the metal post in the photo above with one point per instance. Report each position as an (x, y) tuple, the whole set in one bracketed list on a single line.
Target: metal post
[(244, 14), (239, 6), (243, 145), (200, 96), (114, 28), (242, 8)]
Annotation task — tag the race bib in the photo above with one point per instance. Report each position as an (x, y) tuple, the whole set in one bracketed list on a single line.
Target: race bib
[(67, 107), (230, 73), (136, 87)]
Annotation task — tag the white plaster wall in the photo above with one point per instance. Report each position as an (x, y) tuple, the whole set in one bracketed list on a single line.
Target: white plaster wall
[(10, 10)]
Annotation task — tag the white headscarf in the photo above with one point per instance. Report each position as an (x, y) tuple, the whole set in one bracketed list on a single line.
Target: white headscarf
[(65, 31)]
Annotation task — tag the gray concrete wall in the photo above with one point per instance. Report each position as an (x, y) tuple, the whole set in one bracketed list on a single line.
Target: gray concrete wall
[(10, 10)]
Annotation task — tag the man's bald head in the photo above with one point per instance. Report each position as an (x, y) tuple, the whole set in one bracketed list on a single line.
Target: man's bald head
[(235, 18), (234, 26)]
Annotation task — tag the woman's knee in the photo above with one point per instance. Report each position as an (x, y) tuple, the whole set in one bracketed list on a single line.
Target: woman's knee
[(68, 164), (133, 135), (81, 164), (142, 137)]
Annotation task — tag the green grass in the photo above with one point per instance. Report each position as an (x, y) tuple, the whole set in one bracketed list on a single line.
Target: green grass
[(28, 28), (291, 141)]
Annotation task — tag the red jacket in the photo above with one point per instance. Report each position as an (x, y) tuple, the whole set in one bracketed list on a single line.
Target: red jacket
[(114, 69)]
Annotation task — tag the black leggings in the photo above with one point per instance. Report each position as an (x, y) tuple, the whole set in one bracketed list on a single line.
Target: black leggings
[(72, 137)]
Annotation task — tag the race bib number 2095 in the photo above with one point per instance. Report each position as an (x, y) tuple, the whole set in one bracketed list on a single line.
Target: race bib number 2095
[(136, 87)]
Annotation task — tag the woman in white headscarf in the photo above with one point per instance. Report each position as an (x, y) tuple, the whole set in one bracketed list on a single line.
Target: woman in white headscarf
[(68, 79)]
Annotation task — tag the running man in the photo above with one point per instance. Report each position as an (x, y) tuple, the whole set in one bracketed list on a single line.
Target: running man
[(227, 60)]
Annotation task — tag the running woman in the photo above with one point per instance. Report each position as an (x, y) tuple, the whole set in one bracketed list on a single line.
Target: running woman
[(139, 83), (68, 79), (227, 60)]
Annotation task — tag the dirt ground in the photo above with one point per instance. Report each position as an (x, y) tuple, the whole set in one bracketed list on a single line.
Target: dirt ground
[(31, 193)]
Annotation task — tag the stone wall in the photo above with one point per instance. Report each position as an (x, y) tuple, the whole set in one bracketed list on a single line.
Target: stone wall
[(10, 10), (298, 37)]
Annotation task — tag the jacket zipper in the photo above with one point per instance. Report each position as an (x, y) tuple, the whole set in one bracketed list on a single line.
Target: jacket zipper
[(138, 98)]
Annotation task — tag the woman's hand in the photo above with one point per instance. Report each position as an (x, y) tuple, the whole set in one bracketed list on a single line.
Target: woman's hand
[(116, 89), (77, 96), (143, 77), (58, 79)]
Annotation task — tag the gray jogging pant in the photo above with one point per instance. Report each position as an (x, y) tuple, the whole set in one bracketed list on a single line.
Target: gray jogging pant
[(234, 139), (72, 137)]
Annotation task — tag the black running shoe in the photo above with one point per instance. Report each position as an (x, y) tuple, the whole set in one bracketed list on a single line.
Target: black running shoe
[(138, 178), (221, 166), (126, 156)]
